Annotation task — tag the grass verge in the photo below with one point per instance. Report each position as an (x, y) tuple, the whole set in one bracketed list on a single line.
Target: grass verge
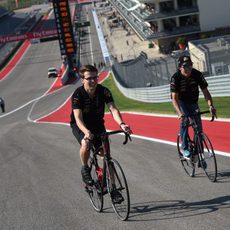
[(222, 104)]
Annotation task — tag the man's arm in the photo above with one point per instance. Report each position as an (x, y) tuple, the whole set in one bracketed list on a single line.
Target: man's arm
[(80, 123), (209, 100), (117, 117), (175, 102), (207, 96)]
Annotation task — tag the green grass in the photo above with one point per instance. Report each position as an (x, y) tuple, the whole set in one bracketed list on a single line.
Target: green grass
[(222, 104)]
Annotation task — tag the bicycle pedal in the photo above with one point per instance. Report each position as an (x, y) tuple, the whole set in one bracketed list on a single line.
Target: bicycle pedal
[(87, 189), (188, 159), (198, 165), (118, 202), (195, 158), (105, 192), (182, 159)]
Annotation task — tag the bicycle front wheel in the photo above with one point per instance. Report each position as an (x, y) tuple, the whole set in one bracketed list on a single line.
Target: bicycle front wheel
[(188, 165), (116, 181), (95, 191), (207, 158)]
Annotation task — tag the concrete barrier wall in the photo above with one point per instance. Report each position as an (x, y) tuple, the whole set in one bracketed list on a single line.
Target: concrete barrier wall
[(219, 86)]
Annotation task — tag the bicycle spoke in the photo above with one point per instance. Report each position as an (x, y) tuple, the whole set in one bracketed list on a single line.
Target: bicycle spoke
[(201, 149), (188, 165), (117, 181), (95, 192), (208, 159)]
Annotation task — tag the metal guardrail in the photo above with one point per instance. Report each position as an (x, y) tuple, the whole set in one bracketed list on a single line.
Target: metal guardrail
[(219, 86), (141, 72)]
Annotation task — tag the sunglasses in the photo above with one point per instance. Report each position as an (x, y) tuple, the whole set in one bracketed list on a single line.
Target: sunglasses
[(91, 78), (187, 66)]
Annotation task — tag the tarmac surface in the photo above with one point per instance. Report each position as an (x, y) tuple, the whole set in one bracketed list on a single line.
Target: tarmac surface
[(41, 185)]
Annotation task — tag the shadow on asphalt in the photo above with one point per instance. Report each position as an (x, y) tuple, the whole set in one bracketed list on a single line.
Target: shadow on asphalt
[(174, 209), (223, 176)]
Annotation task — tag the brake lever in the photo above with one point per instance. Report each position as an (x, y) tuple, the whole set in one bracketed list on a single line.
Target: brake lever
[(127, 137), (213, 117), (130, 139)]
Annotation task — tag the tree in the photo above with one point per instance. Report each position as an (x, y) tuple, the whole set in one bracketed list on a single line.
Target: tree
[(181, 42)]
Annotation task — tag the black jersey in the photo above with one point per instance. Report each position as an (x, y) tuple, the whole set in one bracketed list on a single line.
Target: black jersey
[(93, 109), (188, 87)]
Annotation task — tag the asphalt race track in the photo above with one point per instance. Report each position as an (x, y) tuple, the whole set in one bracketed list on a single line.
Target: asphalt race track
[(40, 181)]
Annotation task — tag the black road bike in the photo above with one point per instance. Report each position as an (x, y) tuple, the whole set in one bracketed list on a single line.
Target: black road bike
[(200, 147), (108, 178)]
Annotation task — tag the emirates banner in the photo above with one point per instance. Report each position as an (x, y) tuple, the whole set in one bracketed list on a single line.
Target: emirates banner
[(30, 35)]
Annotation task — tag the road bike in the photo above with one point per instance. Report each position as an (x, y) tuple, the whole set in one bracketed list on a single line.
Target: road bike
[(201, 149), (108, 178)]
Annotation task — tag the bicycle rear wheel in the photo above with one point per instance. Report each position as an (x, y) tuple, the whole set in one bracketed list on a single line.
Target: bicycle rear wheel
[(207, 158), (116, 180), (188, 165), (95, 191)]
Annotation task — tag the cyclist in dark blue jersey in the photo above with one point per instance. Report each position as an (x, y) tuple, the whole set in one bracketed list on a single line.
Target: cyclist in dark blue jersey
[(87, 117), (184, 89)]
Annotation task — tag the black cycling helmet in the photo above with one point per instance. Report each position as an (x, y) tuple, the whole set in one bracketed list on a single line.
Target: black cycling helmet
[(182, 60)]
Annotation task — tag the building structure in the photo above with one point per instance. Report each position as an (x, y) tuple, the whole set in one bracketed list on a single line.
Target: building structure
[(212, 55), (162, 21)]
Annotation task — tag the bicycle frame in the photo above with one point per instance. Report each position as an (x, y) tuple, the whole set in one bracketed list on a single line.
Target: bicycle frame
[(201, 150), (111, 180), (106, 150), (197, 134)]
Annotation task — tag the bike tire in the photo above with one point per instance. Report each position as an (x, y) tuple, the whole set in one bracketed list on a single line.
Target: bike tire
[(207, 158), (188, 165), (115, 175), (95, 191)]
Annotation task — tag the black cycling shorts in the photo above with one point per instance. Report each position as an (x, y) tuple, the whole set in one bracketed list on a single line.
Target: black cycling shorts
[(79, 135)]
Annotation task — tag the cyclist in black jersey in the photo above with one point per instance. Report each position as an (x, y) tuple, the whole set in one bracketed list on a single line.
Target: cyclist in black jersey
[(184, 89), (87, 117)]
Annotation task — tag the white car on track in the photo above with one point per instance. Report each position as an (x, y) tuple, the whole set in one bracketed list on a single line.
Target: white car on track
[(52, 72)]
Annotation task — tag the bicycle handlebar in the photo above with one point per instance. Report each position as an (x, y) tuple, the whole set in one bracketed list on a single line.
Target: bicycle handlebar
[(127, 136), (200, 113)]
